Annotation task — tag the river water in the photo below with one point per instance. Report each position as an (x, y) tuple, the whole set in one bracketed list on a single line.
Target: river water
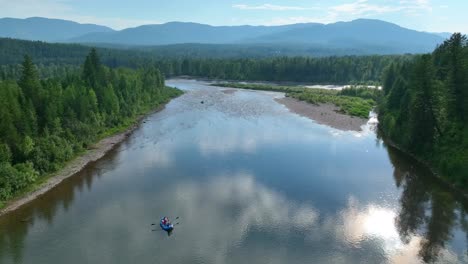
[(250, 182)]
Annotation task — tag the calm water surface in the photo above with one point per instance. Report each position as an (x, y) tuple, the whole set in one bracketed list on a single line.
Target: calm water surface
[(251, 183)]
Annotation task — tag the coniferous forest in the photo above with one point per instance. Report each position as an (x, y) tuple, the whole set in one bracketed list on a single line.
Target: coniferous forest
[(54, 110), (46, 122), (425, 110), (57, 59)]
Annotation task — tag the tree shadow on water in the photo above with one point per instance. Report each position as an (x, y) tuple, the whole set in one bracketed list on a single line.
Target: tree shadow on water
[(429, 207), (15, 226)]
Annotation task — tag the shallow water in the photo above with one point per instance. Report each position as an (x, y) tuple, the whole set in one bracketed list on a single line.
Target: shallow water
[(251, 183)]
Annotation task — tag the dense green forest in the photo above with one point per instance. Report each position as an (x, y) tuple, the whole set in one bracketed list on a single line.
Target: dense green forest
[(12, 52), (46, 122), (355, 101), (425, 110), (336, 70)]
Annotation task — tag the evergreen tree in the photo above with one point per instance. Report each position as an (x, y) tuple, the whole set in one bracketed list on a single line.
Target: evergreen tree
[(43, 123), (29, 81), (425, 112)]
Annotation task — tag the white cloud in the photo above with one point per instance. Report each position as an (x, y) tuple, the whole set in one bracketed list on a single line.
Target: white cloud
[(356, 8), (362, 7), (273, 7), (329, 18), (348, 11), (416, 5)]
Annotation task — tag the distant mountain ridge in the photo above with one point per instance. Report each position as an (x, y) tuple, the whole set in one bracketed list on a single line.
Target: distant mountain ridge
[(361, 36), (183, 33), (360, 33), (372, 36), (445, 35), (46, 29)]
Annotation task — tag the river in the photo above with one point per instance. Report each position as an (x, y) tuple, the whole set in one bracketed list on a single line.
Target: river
[(251, 182)]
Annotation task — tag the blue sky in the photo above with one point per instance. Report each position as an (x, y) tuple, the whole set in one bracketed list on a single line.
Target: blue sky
[(424, 15)]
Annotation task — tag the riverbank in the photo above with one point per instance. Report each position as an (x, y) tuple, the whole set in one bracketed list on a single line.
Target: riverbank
[(443, 180), (355, 101), (93, 154), (347, 109), (325, 114)]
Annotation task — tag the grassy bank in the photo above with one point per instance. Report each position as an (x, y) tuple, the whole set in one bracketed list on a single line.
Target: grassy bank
[(354, 101)]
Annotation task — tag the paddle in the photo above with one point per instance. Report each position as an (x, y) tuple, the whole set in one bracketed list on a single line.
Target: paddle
[(162, 229), (174, 224)]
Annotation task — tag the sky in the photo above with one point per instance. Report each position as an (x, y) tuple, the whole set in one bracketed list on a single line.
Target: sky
[(423, 15)]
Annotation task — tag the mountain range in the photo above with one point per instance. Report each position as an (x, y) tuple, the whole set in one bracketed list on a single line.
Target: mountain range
[(46, 29), (361, 36)]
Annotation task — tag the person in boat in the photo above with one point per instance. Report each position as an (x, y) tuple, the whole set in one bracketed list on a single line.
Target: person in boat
[(166, 225)]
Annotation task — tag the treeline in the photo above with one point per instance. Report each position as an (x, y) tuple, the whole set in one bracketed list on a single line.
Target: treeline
[(44, 123), (254, 50), (425, 110), (336, 70), (12, 52), (14, 71)]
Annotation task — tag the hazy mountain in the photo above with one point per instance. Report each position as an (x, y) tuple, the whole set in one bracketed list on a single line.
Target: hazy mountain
[(45, 29), (183, 32), (445, 35), (376, 35), (362, 35)]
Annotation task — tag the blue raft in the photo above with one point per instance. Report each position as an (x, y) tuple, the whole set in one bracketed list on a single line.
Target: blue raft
[(166, 227)]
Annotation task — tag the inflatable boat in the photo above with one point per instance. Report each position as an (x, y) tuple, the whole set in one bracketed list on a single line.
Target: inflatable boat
[(166, 227)]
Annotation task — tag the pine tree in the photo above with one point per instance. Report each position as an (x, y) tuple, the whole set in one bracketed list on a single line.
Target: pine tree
[(29, 81), (457, 79), (424, 123), (92, 70)]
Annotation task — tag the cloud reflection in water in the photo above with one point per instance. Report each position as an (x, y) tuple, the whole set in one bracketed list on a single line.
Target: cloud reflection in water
[(226, 210)]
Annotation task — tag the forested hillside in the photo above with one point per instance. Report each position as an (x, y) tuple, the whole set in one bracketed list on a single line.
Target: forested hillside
[(12, 51), (56, 59), (425, 110), (44, 123)]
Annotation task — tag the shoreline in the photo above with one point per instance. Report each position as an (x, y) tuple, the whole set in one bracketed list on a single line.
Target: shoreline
[(426, 164), (77, 164), (324, 114), (330, 85)]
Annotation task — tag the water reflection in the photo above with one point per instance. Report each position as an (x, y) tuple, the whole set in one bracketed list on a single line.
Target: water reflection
[(238, 202), (232, 214), (236, 206), (14, 227), (225, 210), (428, 208)]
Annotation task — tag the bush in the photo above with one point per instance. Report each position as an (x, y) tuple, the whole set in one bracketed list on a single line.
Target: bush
[(15, 178)]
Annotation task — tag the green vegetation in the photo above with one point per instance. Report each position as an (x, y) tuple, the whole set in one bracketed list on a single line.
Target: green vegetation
[(335, 70), (45, 123), (425, 110), (355, 101), (51, 58)]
